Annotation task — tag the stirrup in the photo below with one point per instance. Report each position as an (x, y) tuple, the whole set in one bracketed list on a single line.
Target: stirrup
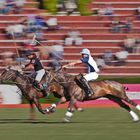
[(90, 94), (37, 87)]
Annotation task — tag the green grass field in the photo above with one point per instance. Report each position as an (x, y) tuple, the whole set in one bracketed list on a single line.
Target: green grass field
[(92, 124)]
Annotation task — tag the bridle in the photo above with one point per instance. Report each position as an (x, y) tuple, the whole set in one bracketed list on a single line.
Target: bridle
[(9, 79)]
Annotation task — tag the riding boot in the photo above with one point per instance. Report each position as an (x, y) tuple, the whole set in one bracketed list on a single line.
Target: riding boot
[(41, 87), (36, 85), (87, 87)]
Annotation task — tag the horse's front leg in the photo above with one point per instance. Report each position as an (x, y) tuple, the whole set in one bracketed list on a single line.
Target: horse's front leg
[(36, 102), (76, 107), (69, 113)]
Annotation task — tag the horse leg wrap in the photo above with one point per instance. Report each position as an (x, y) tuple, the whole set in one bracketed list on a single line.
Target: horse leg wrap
[(138, 107), (52, 108), (68, 116), (134, 116)]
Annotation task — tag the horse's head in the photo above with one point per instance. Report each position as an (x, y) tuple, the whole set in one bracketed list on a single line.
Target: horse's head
[(54, 76), (8, 75)]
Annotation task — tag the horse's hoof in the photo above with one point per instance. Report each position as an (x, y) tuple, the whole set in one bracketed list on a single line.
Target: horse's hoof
[(66, 120), (136, 120), (47, 111), (80, 109)]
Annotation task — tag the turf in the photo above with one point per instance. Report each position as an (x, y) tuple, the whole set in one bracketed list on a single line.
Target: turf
[(92, 124)]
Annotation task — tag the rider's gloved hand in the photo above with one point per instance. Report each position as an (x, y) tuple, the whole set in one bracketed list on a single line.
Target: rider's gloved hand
[(22, 66)]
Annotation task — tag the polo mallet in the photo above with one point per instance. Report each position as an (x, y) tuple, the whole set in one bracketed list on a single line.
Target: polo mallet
[(15, 44), (34, 40)]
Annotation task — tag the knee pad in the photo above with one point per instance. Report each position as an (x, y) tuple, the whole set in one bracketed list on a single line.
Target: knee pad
[(78, 80)]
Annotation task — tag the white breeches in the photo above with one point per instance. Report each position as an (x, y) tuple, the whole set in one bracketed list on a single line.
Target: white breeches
[(91, 76), (39, 75)]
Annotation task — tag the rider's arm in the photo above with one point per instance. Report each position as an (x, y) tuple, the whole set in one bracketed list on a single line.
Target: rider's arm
[(24, 66), (27, 65), (72, 63)]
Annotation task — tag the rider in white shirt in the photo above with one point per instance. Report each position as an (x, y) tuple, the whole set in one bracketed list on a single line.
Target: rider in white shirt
[(92, 70)]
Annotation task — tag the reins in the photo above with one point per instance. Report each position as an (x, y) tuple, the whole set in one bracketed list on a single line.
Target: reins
[(54, 77)]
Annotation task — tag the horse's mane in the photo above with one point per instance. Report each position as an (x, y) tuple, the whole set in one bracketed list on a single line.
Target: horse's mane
[(61, 77), (23, 76), (27, 78)]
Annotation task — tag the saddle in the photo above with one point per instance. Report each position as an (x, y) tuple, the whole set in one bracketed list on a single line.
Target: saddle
[(37, 86)]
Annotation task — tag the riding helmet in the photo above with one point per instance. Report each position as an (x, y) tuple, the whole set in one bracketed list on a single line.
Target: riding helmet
[(85, 51)]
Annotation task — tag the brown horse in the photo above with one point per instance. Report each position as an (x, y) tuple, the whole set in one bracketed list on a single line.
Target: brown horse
[(25, 84), (65, 87), (58, 85), (111, 90)]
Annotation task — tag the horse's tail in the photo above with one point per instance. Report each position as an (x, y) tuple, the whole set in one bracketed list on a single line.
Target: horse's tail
[(126, 88)]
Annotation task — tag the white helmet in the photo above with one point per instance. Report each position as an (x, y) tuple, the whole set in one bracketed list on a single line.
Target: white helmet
[(85, 51)]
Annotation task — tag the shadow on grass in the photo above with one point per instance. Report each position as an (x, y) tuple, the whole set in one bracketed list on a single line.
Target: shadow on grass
[(45, 121), (37, 121)]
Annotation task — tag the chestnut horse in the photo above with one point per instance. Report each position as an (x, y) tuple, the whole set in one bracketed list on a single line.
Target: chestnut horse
[(65, 87), (111, 90)]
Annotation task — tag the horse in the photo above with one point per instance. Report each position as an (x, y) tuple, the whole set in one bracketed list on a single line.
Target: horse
[(65, 87), (57, 83), (24, 82), (111, 90)]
